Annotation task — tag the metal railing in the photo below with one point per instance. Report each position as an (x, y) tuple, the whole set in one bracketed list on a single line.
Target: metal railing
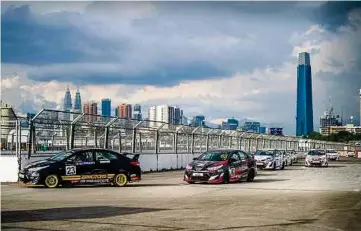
[(53, 130)]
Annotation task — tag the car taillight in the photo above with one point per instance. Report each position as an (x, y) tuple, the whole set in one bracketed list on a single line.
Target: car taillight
[(135, 163)]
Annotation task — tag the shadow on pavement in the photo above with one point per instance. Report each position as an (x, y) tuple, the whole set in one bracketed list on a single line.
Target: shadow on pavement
[(268, 180), (292, 222), (69, 213)]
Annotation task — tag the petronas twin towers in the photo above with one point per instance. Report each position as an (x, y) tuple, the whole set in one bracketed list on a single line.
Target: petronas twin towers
[(67, 104)]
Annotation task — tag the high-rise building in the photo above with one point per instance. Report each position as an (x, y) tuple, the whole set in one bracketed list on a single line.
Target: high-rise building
[(67, 105), (137, 112), (230, 124), (152, 116), (252, 126), (106, 107), (125, 111), (198, 121), (304, 117), (91, 109), (178, 115), (328, 120), (77, 102), (161, 113), (116, 112)]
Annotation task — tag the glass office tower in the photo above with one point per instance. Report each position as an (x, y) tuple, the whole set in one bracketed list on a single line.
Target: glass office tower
[(106, 107), (304, 117)]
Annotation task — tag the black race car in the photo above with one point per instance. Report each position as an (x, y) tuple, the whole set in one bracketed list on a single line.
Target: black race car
[(83, 166), (221, 166)]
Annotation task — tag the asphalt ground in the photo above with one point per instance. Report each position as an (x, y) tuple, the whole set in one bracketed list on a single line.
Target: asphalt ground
[(297, 198)]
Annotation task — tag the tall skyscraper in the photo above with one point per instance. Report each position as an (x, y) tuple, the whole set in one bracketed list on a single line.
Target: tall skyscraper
[(162, 113), (152, 116), (304, 117), (178, 115), (137, 112), (77, 102), (125, 111), (90, 108), (106, 107), (67, 105)]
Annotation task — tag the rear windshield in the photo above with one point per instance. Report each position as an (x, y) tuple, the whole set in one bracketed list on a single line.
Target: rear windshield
[(316, 152), (264, 153), (214, 156)]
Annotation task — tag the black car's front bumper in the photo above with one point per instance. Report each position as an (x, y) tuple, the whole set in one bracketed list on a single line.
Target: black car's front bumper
[(26, 177)]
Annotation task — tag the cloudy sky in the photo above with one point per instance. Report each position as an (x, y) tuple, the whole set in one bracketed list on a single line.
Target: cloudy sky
[(234, 59)]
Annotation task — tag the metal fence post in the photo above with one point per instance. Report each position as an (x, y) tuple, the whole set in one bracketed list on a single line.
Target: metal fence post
[(134, 139), (95, 137), (120, 141), (72, 132)]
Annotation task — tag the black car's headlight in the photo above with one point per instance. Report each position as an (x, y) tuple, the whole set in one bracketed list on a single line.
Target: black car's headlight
[(34, 171)]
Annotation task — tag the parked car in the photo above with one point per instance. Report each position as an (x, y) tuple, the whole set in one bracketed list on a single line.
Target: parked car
[(332, 154), (351, 154), (270, 159), (294, 156), (83, 166), (221, 166), (287, 157), (316, 158)]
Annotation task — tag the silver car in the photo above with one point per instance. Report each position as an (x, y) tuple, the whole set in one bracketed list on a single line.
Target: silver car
[(269, 159), (316, 158), (332, 154)]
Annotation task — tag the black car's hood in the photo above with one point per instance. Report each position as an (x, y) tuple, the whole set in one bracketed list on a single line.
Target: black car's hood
[(202, 164), (39, 163)]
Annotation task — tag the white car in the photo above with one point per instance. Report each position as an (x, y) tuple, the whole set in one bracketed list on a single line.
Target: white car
[(316, 158), (269, 159), (288, 158), (332, 154), (351, 154), (294, 156)]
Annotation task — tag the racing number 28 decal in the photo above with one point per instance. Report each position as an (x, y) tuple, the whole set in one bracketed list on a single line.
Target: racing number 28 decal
[(70, 170)]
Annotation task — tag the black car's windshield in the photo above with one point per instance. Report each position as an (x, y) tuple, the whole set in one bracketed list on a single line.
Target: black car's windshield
[(316, 153), (60, 156), (331, 151), (264, 153), (214, 156)]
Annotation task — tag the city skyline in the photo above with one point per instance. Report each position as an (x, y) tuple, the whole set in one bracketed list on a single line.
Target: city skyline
[(176, 54)]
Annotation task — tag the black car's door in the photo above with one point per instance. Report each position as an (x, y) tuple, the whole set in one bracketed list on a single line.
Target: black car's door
[(79, 164), (235, 166), (106, 162)]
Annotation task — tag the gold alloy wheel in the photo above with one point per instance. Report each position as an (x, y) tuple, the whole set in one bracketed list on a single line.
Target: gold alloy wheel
[(52, 181), (120, 180)]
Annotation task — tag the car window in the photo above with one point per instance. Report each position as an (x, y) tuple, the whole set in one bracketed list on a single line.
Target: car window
[(242, 155), (86, 156), (101, 155), (235, 157)]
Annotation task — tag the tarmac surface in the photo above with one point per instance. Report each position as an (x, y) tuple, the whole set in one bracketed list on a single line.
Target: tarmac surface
[(297, 198)]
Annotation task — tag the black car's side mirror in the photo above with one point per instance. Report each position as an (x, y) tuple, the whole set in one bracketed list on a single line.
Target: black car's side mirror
[(195, 158)]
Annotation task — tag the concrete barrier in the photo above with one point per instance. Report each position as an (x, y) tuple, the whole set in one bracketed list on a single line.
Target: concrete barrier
[(148, 162), (8, 168)]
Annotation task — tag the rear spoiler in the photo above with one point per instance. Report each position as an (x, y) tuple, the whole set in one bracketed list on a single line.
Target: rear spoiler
[(135, 157)]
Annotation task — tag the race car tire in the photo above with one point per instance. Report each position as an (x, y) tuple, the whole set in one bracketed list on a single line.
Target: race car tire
[(52, 181), (190, 182), (283, 166), (226, 178), (251, 175), (120, 179)]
